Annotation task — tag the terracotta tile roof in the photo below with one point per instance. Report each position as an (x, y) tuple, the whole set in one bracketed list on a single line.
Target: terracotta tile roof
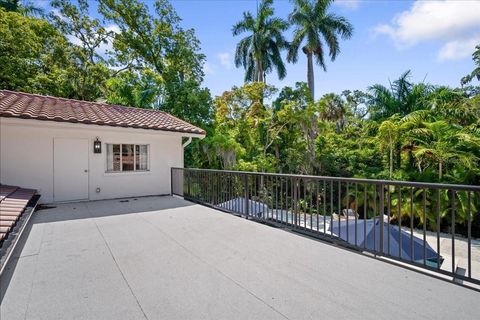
[(13, 201), (32, 106)]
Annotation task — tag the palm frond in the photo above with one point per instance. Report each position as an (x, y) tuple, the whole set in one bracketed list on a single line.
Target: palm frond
[(241, 52), (244, 25), (338, 25), (332, 42), (276, 60), (259, 52), (298, 36), (314, 23)]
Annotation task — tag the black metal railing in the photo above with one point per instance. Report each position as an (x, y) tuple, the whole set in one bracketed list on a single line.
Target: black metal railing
[(429, 225)]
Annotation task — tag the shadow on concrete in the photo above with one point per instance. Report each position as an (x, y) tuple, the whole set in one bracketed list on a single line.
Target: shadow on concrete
[(106, 208)]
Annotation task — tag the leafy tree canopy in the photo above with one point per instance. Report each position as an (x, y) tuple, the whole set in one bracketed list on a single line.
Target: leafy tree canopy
[(37, 63)]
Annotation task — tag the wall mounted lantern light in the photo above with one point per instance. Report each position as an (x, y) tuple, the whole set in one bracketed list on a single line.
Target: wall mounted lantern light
[(97, 146)]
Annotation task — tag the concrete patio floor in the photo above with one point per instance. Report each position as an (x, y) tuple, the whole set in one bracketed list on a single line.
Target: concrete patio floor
[(165, 258)]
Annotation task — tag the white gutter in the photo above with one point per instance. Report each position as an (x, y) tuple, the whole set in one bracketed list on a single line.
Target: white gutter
[(187, 142), (190, 136)]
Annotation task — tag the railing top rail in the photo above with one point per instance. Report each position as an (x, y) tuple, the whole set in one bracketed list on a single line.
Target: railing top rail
[(430, 185)]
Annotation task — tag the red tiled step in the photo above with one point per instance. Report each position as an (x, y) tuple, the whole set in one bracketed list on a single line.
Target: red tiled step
[(12, 205), (9, 206), (19, 193), (9, 203), (10, 212), (6, 190), (12, 209), (7, 217), (18, 197), (7, 224)]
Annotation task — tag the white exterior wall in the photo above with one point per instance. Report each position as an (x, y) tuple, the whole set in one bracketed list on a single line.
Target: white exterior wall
[(26, 158)]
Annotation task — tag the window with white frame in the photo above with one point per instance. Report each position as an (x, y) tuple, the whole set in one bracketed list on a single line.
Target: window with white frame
[(127, 157)]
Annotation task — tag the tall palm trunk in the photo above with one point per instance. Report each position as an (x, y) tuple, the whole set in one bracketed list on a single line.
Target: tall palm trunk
[(259, 71), (311, 87), (259, 75), (311, 84)]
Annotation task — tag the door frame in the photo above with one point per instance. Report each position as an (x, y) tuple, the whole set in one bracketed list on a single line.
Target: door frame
[(89, 141)]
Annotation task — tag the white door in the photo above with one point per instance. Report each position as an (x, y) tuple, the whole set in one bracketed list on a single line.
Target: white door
[(70, 169)]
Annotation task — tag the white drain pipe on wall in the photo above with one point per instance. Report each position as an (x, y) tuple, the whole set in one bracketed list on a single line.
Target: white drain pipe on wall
[(187, 142)]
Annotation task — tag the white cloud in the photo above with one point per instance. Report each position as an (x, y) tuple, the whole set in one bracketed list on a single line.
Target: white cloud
[(455, 50), (225, 59), (455, 23), (348, 4), (113, 27), (208, 69), (105, 47)]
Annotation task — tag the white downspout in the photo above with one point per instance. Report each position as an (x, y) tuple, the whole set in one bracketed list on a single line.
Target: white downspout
[(187, 142), (184, 145)]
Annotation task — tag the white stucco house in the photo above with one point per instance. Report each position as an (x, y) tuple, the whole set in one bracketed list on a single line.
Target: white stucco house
[(71, 150)]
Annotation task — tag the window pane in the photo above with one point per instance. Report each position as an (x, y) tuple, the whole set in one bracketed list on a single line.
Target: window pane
[(141, 154), (127, 157), (113, 157)]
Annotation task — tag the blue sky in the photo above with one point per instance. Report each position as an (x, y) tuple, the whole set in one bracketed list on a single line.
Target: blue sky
[(434, 39), (373, 55)]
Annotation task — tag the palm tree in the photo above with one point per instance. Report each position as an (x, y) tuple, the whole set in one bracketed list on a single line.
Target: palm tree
[(260, 52), (332, 108), (443, 143), (388, 136), (454, 105), (402, 97), (317, 28)]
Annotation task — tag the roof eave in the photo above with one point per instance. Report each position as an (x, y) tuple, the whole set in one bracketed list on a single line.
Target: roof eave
[(194, 135), (61, 121)]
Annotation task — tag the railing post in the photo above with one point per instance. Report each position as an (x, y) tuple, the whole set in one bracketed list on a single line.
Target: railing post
[(454, 210), (380, 219), (295, 201), (187, 173), (247, 209), (171, 181)]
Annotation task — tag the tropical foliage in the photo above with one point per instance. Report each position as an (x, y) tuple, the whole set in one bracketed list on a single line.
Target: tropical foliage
[(438, 141), (430, 143)]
